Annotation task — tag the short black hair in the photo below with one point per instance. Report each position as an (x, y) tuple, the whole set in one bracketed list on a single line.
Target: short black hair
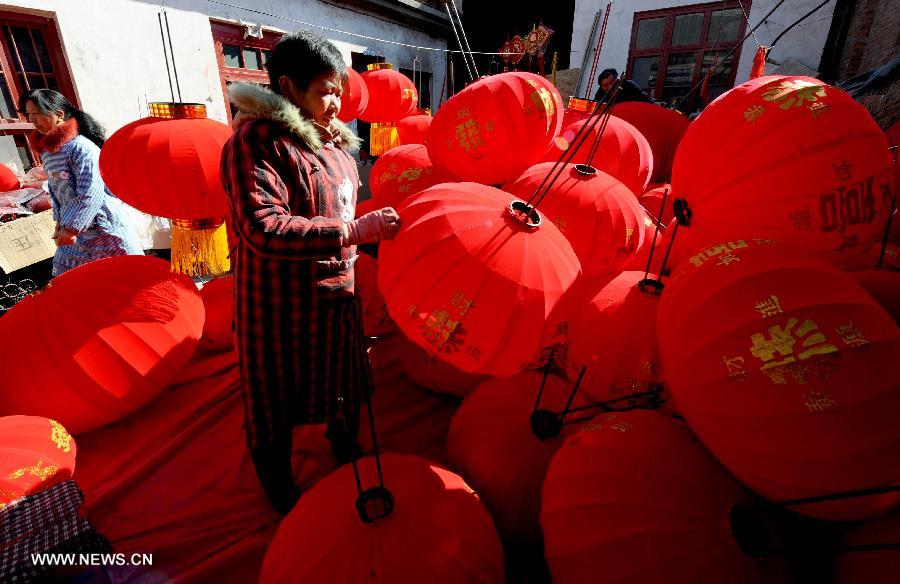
[(303, 56), (607, 73)]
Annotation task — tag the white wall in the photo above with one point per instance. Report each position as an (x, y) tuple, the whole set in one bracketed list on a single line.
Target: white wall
[(804, 42), (115, 57)]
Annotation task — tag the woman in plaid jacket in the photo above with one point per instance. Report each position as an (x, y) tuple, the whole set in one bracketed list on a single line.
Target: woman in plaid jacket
[(292, 187)]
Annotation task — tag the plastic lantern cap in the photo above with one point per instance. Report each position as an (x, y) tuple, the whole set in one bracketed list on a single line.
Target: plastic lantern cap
[(469, 282), (402, 172), (777, 360), (36, 453), (634, 497), (790, 159), (437, 527), (101, 341)]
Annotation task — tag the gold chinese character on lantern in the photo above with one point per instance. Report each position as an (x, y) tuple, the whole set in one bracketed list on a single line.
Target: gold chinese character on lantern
[(463, 113), (753, 113), (60, 437), (794, 93), (802, 218), (411, 174), (438, 328), (727, 259), (818, 109), (628, 233), (769, 307), (468, 135), (474, 352), (781, 343), (819, 402), (852, 336), (461, 303), (38, 470), (735, 368), (622, 426)]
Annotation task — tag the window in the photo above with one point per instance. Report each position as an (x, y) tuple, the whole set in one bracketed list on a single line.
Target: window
[(241, 59), (422, 80), (672, 50)]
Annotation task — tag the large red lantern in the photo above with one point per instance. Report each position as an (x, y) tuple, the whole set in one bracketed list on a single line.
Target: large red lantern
[(8, 179), (392, 97), (663, 129), (494, 447), (414, 129), (168, 165), (437, 529), (401, 172), (355, 98), (598, 215), (218, 304), (35, 454), (883, 286), (777, 361), (436, 375), (634, 497), (623, 152), (495, 128), (100, 342), (472, 276), (790, 159)]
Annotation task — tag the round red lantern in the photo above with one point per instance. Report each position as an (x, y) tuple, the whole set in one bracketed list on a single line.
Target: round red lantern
[(598, 215), (355, 98), (883, 286), (496, 127), (436, 375), (634, 497), (35, 454), (401, 172), (790, 159), (218, 304), (168, 165), (663, 129), (652, 199), (623, 152), (437, 529), (100, 342), (414, 129), (777, 360), (472, 276), (392, 97), (8, 179)]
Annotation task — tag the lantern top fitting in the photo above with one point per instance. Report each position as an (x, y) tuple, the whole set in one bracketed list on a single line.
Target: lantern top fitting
[(524, 214), (423, 111), (178, 111), (379, 66), (582, 105)]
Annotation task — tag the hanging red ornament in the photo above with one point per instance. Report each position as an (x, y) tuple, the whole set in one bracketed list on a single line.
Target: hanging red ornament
[(663, 129), (355, 98), (414, 129), (392, 97), (758, 69), (35, 454), (401, 172)]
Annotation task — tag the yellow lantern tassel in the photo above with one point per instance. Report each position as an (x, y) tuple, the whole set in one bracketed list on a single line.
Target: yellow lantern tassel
[(383, 137), (200, 247)]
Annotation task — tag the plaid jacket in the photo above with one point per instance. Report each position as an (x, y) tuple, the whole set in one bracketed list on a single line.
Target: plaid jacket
[(291, 186)]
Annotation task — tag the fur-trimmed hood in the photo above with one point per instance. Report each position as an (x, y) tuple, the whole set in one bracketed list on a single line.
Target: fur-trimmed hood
[(260, 102)]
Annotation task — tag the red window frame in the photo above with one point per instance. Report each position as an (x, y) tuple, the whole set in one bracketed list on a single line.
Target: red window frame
[(231, 34), (665, 49)]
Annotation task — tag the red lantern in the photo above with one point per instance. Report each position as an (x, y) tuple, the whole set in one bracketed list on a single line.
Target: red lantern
[(8, 179), (652, 199), (777, 361), (854, 565), (401, 172), (663, 129), (392, 97), (624, 152), (438, 528), (376, 321), (35, 454), (597, 213), (469, 282), (495, 128), (790, 159), (168, 165), (883, 286), (436, 375), (492, 443), (414, 129), (634, 497), (218, 304), (355, 98), (100, 342)]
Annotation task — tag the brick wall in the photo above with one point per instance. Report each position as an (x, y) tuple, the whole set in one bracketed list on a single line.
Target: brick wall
[(873, 38)]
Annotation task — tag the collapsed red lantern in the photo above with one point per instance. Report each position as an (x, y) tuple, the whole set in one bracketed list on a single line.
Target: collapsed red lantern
[(401, 172), (100, 342), (635, 497), (790, 159), (472, 276), (438, 526), (663, 129), (392, 97), (218, 304), (495, 128), (414, 129), (355, 98), (777, 360), (35, 454)]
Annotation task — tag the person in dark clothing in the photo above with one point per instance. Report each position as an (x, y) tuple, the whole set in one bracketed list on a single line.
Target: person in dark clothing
[(629, 90)]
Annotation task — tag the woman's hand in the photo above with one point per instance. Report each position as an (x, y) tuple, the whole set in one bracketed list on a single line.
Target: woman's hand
[(64, 236), (372, 227)]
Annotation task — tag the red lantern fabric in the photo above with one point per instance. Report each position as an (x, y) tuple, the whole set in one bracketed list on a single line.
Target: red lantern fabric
[(870, 566), (883, 286), (624, 152), (35, 454), (778, 360), (790, 159), (598, 214), (495, 128), (401, 172), (469, 283), (376, 321), (493, 446), (634, 497), (392, 95), (168, 167), (100, 342), (414, 129), (438, 529), (355, 98), (436, 375), (218, 304), (8, 179), (663, 129)]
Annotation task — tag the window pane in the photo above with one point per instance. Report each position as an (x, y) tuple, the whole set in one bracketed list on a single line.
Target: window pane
[(266, 55), (650, 33), (679, 74), (688, 28), (251, 59), (644, 71), (43, 53), (7, 106), (725, 26), (232, 55), (25, 48), (51, 83), (723, 69), (37, 82)]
